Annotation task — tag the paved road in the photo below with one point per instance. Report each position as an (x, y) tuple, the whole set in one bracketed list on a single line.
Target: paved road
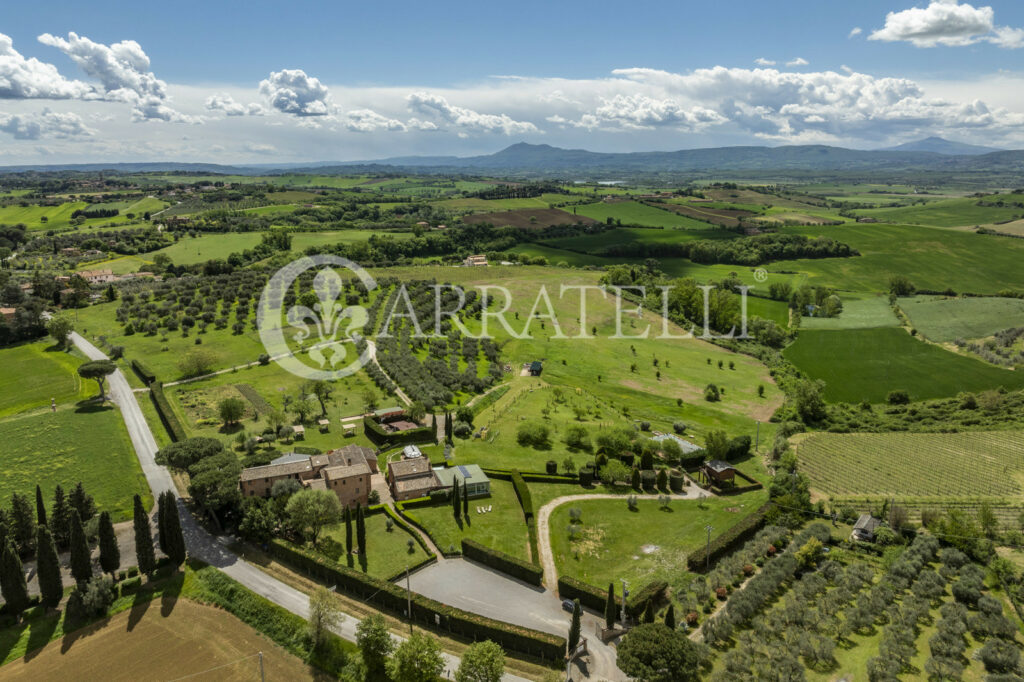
[(201, 544)]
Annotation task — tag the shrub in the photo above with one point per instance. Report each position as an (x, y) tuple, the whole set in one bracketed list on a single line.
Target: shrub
[(711, 393), (532, 434), (651, 593), (898, 397), (679, 427), (551, 466), (167, 416), (263, 359), (462, 430)]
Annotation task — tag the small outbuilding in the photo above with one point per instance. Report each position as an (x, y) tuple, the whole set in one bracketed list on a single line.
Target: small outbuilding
[(300, 432), (324, 425), (864, 529), (717, 470), (536, 367), (469, 475)]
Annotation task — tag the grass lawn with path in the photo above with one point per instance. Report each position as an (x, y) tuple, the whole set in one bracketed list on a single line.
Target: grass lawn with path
[(613, 542), (386, 553), (36, 372), (503, 528)]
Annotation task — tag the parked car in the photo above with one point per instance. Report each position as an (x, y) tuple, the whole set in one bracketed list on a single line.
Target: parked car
[(568, 605)]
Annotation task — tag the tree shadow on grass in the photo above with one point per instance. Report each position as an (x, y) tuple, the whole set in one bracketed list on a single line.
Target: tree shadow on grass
[(41, 630), (169, 597), (92, 405), (82, 630), (139, 607), (363, 563)]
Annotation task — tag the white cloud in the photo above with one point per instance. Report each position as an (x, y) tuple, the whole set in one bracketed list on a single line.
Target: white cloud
[(44, 124), (256, 148), (761, 61), (291, 91), (638, 112), (799, 61), (123, 71), (22, 78), (436, 106), (855, 31), (231, 107), (368, 121), (947, 23)]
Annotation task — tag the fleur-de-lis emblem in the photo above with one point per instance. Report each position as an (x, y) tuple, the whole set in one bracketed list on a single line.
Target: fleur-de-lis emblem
[(326, 318)]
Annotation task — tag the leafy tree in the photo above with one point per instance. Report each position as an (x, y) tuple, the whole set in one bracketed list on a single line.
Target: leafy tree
[(322, 391), (311, 510), (375, 644), (258, 520), (574, 627), (231, 410), (60, 327), (807, 556), (81, 561), (51, 589), (417, 659), (12, 581), (533, 434), (809, 403), (185, 453), (614, 472), (213, 482), (97, 370), (196, 362), (324, 615), (110, 553), (284, 488), (23, 524), (83, 502), (900, 285), (716, 445), (145, 555), (576, 437), (482, 662), (610, 607), (653, 653), (1000, 656)]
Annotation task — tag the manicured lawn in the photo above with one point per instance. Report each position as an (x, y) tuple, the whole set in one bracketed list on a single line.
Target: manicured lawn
[(635, 213), (503, 528), (865, 364), (613, 542), (857, 314), (947, 319), (36, 372), (87, 444), (386, 553)]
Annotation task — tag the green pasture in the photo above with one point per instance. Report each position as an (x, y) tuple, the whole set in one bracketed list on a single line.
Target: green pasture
[(857, 314), (636, 213), (947, 319), (189, 250), (36, 372), (946, 213)]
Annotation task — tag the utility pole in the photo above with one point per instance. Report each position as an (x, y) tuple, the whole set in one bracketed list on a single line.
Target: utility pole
[(707, 551), (263, 676), (408, 598)]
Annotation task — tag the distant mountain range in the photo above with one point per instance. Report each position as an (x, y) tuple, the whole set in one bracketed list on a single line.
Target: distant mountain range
[(941, 146), (932, 154)]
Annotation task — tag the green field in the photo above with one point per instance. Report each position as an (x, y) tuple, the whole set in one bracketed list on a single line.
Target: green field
[(624, 236), (121, 265), (386, 553), (503, 528), (36, 372), (933, 258), (778, 311), (865, 364), (87, 444), (947, 213), (635, 213), (495, 205), (947, 319), (972, 464), (190, 250), (857, 314), (60, 216), (613, 542), (303, 240)]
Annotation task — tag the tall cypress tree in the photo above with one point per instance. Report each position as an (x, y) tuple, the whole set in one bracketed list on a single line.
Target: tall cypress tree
[(60, 518), (23, 524), (360, 530), (81, 562), (609, 607), (172, 526), (649, 612), (465, 500), (51, 588), (110, 553), (12, 581), (144, 552), (40, 507), (574, 627), (455, 498), (161, 523), (670, 617), (348, 530), (83, 502)]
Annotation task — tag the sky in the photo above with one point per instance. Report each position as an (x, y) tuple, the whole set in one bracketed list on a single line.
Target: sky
[(264, 82)]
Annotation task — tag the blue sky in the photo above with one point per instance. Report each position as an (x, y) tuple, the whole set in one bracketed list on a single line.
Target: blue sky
[(297, 81)]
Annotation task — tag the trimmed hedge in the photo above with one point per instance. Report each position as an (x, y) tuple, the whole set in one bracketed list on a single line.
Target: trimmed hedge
[(143, 372), (725, 542), (392, 597), (534, 476), (306, 450), (523, 493), (637, 601), (593, 598), (379, 436), (167, 416), (415, 567), (506, 563), (416, 503)]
